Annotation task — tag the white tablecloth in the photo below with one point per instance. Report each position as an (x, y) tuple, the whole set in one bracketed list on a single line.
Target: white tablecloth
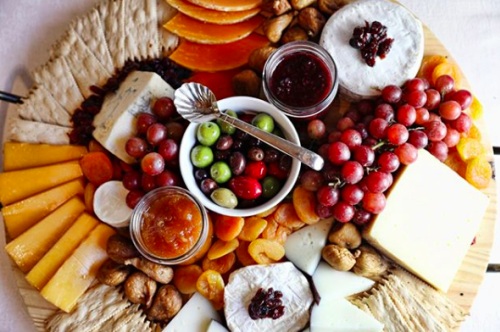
[(468, 28)]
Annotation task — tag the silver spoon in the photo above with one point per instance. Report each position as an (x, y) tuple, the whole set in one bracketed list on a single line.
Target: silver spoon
[(196, 103)]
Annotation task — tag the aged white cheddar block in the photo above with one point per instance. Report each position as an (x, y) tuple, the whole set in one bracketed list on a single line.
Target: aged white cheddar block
[(432, 216), (116, 122)]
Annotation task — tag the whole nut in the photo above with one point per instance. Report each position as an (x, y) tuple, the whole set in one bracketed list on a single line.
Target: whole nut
[(258, 58), (301, 4), (295, 33), (246, 83), (312, 21), (273, 28), (281, 6), (339, 258), (345, 235)]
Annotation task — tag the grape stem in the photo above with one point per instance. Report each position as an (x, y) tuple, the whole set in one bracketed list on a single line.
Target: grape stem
[(378, 145), (338, 183), (416, 128)]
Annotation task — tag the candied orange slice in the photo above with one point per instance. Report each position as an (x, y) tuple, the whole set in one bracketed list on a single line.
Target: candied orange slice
[(220, 83), (286, 216), (474, 133), (211, 58), (275, 231), (208, 33), (228, 5), (221, 248), (268, 212), (243, 255), (228, 228), (479, 172), (469, 148), (428, 64), (448, 68), (456, 163), (476, 109), (254, 226), (266, 251), (222, 264), (304, 202), (185, 278), (211, 285), (212, 16)]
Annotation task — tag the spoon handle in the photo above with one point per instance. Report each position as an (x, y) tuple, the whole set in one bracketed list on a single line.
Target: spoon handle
[(304, 155)]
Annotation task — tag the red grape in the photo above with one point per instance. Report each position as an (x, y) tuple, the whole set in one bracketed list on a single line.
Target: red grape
[(438, 150), (322, 151), (133, 198), (452, 137), (406, 153), (353, 115), (167, 179), (361, 128), (312, 180), (426, 83), (207, 186), (327, 196), (361, 217), (316, 129), (435, 130), (131, 180), (148, 182), (156, 133), (324, 212), (445, 84), (144, 121), (136, 147), (388, 162), (384, 111), (364, 107), (364, 155), (415, 84), (366, 120), (352, 194), (462, 124), (378, 182), (331, 173), (417, 98), (422, 116), (175, 131), (378, 128), (450, 110), (397, 134), (168, 149), (374, 202), (433, 117), (463, 98), (164, 108), (362, 185), (343, 212), (392, 94), (339, 153), (433, 99), (351, 138), (345, 123), (418, 139), (449, 96), (334, 136), (370, 142), (152, 164), (406, 115), (352, 172)]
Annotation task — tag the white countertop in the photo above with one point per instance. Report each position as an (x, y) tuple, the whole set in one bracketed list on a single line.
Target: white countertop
[(468, 28)]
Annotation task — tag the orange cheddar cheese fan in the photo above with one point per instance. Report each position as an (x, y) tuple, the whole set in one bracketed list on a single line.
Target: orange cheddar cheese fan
[(227, 5)]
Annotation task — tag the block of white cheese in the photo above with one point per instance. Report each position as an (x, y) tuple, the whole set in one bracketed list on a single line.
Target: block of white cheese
[(357, 80), (330, 283), (116, 122), (432, 216), (195, 316), (339, 315), (303, 247), (215, 326)]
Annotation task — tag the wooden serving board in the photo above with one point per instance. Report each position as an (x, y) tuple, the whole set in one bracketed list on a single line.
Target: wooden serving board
[(467, 281)]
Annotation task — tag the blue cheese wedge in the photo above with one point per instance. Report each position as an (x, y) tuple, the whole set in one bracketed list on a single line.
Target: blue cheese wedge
[(244, 284), (357, 80), (431, 217), (116, 122)]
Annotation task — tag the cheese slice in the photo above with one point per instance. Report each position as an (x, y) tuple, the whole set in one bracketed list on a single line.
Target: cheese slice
[(303, 247), (195, 315), (215, 326), (76, 275), (22, 215), (116, 122), (431, 217), (28, 248), (339, 315), (62, 249), (330, 283)]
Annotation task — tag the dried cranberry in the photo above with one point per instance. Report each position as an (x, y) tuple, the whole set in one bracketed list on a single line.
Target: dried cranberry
[(266, 304), (372, 41)]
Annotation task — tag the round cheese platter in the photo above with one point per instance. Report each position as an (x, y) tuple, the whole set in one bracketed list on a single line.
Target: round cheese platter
[(406, 186)]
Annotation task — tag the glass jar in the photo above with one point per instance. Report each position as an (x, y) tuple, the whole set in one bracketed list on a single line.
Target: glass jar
[(299, 55), (148, 224)]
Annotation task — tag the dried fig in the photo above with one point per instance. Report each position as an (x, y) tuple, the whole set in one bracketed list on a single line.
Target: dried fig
[(328, 7), (246, 83), (370, 263), (312, 21), (339, 258), (258, 58), (120, 248), (280, 7), (161, 273), (294, 34), (273, 28), (139, 288), (112, 273), (345, 235), (167, 303)]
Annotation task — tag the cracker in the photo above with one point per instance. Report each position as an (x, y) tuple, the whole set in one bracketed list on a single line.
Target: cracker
[(40, 106), (84, 66), (395, 320), (168, 41), (142, 30), (89, 27), (112, 18), (132, 319), (56, 76), (24, 131)]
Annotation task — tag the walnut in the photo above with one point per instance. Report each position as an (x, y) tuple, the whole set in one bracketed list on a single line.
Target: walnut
[(167, 303), (246, 83), (112, 273), (258, 58), (311, 20), (345, 235), (294, 34), (301, 4), (273, 28), (339, 258), (328, 7), (370, 263)]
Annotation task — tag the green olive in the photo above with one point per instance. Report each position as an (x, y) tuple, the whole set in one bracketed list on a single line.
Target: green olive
[(208, 133), (264, 122), (270, 187), (226, 127), (202, 156), (224, 197), (220, 172)]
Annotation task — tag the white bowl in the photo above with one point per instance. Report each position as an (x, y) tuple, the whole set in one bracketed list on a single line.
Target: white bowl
[(239, 104)]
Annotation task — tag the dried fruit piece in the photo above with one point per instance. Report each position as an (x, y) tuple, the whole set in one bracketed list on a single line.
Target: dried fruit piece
[(221, 248), (479, 172), (243, 255), (227, 5), (254, 226), (469, 148), (258, 58), (266, 251), (211, 285), (476, 109), (304, 202), (456, 163), (312, 21), (88, 196), (286, 216), (328, 7), (228, 228), (275, 231), (222, 264), (448, 68), (339, 258), (268, 212), (474, 133), (295, 33), (273, 28), (185, 278), (428, 64), (246, 83)]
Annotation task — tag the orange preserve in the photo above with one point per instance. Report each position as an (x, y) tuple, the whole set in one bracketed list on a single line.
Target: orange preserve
[(171, 226)]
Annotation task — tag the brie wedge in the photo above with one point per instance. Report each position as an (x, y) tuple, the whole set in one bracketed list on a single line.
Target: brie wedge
[(330, 283)]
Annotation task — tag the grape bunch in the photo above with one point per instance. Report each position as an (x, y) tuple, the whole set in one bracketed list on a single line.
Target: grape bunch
[(373, 140), (156, 147)]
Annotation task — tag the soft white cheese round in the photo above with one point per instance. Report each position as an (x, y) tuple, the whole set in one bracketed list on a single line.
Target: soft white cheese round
[(244, 284), (110, 205), (358, 80)]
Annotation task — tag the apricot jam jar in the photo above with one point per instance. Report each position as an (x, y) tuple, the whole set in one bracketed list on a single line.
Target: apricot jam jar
[(169, 226), (300, 79)]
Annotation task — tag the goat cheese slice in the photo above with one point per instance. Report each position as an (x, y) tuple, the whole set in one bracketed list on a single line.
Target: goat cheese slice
[(116, 122), (357, 80), (244, 284), (215, 326)]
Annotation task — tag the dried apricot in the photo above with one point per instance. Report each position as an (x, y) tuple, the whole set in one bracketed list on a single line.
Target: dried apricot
[(221, 248), (88, 196), (469, 148), (267, 212), (456, 163), (474, 133), (448, 68), (266, 251), (243, 255), (286, 216), (305, 203), (254, 226), (95, 146), (211, 285), (97, 167), (222, 264), (275, 231), (185, 278), (479, 172), (428, 64), (228, 228), (476, 109)]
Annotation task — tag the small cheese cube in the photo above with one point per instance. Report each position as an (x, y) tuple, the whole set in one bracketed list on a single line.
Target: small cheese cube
[(116, 122), (431, 217)]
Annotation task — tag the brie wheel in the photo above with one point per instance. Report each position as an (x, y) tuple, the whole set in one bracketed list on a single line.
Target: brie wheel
[(110, 206), (358, 80), (244, 284)]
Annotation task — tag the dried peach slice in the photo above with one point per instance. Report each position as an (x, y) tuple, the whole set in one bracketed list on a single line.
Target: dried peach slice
[(211, 285), (228, 228), (243, 255), (275, 231), (286, 216), (428, 64), (266, 251), (88, 196), (456, 163), (469, 148), (304, 202), (268, 212), (221, 248), (254, 226), (476, 109), (479, 172), (448, 68), (222, 264), (474, 133), (185, 278)]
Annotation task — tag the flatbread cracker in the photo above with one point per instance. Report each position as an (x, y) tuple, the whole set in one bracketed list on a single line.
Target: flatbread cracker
[(131, 319), (24, 131), (395, 320), (89, 27), (112, 17), (168, 41), (142, 30), (56, 76), (40, 106)]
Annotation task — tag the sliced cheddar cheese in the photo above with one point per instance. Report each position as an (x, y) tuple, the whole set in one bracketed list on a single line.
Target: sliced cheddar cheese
[(28, 248), (62, 249), (24, 155), (227, 5), (76, 275), (18, 185), (212, 16), (22, 215)]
